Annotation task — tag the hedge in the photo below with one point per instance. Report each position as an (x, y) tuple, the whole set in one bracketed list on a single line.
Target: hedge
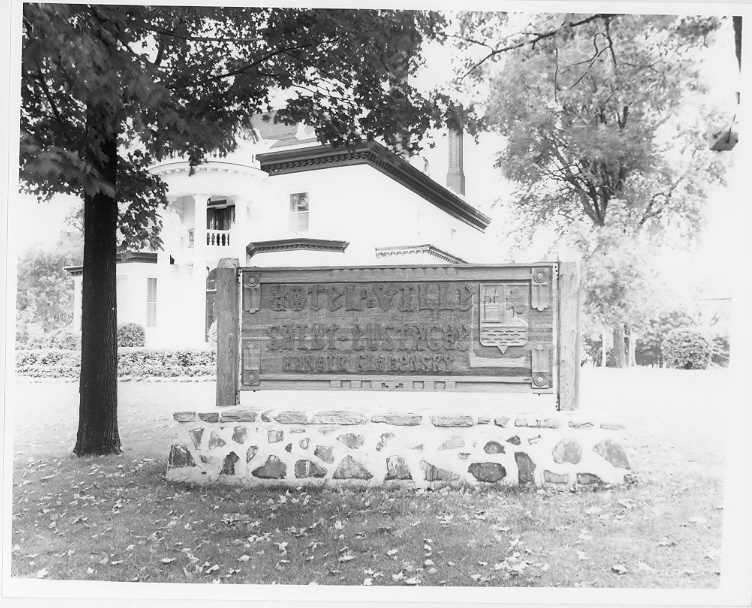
[(686, 349), (130, 334), (135, 362)]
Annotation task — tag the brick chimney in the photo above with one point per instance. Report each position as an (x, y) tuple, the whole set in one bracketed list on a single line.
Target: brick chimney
[(456, 175)]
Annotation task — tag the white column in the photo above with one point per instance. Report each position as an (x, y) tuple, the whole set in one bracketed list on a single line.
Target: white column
[(198, 282), (240, 236)]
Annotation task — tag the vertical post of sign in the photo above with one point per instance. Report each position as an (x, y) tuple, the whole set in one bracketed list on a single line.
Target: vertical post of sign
[(227, 307), (569, 336)]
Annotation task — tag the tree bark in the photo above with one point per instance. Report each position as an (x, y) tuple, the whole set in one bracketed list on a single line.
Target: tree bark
[(604, 350), (617, 331), (632, 353), (97, 414)]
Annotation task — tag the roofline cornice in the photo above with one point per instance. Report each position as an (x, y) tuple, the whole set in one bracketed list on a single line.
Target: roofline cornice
[(374, 154), (294, 244)]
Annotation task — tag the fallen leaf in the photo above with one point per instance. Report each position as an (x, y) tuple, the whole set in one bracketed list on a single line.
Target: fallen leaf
[(167, 560), (338, 525), (582, 555), (619, 569), (116, 562), (592, 510), (645, 567), (428, 563), (42, 573), (346, 558), (90, 571), (244, 558), (475, 577), (392, 552), (412, 581), (368, 582), (398, 577)]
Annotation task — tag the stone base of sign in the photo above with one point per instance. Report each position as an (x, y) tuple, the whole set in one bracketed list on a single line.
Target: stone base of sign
[(253, 447)]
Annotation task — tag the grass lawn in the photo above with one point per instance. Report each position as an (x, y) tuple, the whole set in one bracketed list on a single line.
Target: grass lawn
[(117, 519)]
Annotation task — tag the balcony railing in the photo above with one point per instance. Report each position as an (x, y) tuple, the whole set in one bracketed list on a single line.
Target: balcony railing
[(218, 238)]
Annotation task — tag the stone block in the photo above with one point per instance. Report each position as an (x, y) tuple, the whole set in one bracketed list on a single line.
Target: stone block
[(350, 468), (612, 426), (184, 416), (533, 440), (324, 452), (209, 416), (291, 417), (525, 468), (215, 441), (228, 467), (501, 421), (385, 437), (433, 473), (180, 457), (240, 434), (396, 468), (275, 436), (308, 468), (567, 450), (229, 417), (196, 435), (397, 419), (452, 442), (247, 416), (338, 418), (452, 421), (288, 448), (303, 443), (328, 431), (274, 468), (493, 447), (266, 416), (463, 455), (522, 422), (548, 423), (550, 477), (249, 455), (351, 440), (514, 440), (612, 452), (483, 420), (205, 459), (588, 479), (418, 448), (489, 472), (581, 425)]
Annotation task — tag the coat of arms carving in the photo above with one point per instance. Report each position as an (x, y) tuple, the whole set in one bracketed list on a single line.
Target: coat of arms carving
[(504, 314)]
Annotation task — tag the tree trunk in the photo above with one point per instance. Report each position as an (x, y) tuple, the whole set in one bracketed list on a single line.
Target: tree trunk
[(632, 354), (617, 331), (604, 350), (97, 414)]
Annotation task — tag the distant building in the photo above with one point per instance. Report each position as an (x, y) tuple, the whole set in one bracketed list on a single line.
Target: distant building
[(286, 200)]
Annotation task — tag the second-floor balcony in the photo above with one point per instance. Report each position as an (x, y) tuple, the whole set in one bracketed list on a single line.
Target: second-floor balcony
[(214, 238)]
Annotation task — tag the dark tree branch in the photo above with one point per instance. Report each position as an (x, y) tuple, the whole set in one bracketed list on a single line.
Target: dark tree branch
[(532, 42)]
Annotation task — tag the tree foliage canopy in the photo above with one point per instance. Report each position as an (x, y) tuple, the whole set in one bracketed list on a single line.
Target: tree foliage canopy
[(603, 107), (186, 81)]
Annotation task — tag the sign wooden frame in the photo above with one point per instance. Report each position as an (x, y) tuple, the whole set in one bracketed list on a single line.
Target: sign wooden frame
[(466, 328)]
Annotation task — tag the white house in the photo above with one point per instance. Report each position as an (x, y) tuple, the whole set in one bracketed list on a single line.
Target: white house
[(286, 200)]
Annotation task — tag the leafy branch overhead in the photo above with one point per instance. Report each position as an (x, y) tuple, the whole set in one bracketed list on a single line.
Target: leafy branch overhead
[(188, 81)]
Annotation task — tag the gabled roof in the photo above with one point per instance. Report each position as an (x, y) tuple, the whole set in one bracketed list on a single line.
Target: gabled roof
[(280, 162)]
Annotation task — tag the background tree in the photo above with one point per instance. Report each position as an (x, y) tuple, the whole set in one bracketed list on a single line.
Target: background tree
[(597, 109), (109, 90)]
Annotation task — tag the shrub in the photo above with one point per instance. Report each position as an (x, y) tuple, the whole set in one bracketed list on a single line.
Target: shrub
[(720, 351), (66, 339), (686, 349), (130, 334)]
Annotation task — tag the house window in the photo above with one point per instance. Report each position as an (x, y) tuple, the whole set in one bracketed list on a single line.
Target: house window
[(220, 218), (151, 302), (299, 211)]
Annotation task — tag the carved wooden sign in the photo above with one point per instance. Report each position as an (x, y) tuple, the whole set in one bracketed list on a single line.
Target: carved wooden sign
[(459, 327)]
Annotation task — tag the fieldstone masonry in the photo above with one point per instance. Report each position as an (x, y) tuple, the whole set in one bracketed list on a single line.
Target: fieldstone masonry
[(251, 447)]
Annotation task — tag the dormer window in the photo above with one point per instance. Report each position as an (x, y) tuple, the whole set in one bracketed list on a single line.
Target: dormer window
[(299, 211)]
